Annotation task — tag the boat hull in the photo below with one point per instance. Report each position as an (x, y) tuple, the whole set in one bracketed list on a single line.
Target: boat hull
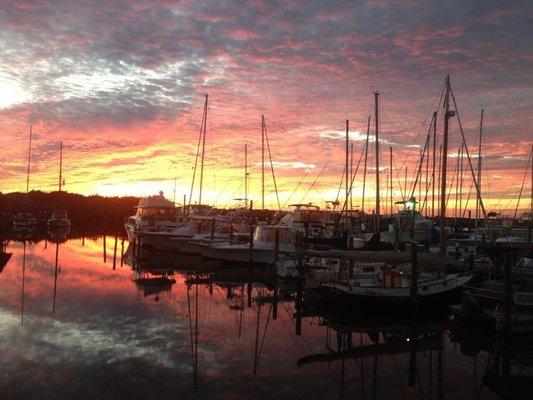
[(440, 294)]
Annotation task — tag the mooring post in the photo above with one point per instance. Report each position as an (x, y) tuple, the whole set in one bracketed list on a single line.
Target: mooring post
[(115, 253), (507, 298), (121, 252), (105, 250), (413, 327)]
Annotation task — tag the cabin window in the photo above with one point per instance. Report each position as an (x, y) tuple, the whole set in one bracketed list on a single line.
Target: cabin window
[(368, 269)]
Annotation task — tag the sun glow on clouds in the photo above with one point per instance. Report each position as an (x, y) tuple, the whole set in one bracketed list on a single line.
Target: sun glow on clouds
[(11, 92), (123, 87)]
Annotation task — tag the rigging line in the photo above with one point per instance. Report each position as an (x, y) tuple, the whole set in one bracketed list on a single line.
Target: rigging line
[(345, 204), (196, 159), (297, 186), (222, 192), (467, 199), (420, 166), (233, 195), (340, 185), (313, 184), (450, 187), (435, 103), (426, 144), (522, 187), (478, 190), (398, 178), (272, 166)]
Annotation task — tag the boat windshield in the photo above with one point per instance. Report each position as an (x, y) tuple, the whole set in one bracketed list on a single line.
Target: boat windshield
[(156, 212), (268, 234)]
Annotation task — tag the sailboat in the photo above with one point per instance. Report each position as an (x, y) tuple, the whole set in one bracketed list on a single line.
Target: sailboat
[(25, 219), (59, 218)]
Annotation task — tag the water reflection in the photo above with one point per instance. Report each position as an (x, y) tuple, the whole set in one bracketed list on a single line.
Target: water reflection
[(125, 325)]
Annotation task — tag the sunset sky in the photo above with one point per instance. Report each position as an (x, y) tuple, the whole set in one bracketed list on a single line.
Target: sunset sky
[(121, 83)]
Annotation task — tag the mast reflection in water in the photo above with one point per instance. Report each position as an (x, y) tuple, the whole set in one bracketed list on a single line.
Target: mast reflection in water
[(166, 327)]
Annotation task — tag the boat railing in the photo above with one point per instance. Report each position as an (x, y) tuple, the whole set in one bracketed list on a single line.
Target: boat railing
[(484, 292)]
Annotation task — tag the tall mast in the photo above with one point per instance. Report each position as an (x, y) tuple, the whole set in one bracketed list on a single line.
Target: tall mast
[(174, 194), (390, 168), (366, 158), (434, 162), (479, 166), (263, 162), (461, 176), (447, 115), (346, 165), (457, 184), (426, 202), (60, 165), (203, 151), (351, 176), (246, 176), (376, 121), (28, 171)]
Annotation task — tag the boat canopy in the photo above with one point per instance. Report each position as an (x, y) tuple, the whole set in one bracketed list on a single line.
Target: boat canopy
[(157, 201)]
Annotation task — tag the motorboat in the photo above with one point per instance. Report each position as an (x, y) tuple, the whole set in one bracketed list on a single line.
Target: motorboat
[(262, 249), (405, 224), (154, 214)]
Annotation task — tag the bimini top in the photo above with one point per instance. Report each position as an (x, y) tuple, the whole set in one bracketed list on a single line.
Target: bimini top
[(157, 201)]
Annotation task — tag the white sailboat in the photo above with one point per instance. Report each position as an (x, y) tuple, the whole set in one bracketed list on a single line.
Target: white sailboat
[(26, 219), (59, 218)]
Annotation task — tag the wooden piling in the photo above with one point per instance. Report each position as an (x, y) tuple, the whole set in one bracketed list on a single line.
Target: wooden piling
[(115, 253), (105, 250), (507, 289), (413, 326), (122, 252)]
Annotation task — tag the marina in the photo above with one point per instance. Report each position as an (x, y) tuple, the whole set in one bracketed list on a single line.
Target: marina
[(266, 200)]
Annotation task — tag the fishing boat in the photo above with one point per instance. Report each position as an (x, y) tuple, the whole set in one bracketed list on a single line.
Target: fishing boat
[(154, 214)]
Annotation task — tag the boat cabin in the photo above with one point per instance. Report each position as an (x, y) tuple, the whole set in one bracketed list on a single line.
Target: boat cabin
[(266, 235), (156, 208)]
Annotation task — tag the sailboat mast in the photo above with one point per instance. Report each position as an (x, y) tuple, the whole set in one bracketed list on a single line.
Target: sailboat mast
[(390, 168), (376, 122), (346, 164), (447, 115), (351, 176), (366, 159), (263, 162), (479, 166), (60, 165), (28, 171), (246, 176), (434, 164), (203, 150)]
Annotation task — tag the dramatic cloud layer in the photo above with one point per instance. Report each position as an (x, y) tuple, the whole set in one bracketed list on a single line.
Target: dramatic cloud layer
[(122, 85)]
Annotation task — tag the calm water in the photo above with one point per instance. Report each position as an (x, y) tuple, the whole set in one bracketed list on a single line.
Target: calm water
[(87, 330)]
